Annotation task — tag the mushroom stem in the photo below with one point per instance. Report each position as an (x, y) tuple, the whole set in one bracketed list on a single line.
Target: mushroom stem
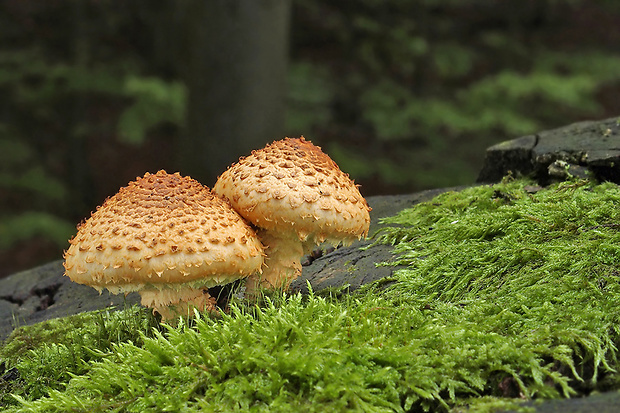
[(282, 262), (171, 303)]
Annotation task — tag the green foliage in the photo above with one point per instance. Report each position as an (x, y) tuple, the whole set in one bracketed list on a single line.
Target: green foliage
[(407, 91), (37, 86), (33, 80), (27, 225), (21, 174), (156, 101), (497, 103), (509, 293)]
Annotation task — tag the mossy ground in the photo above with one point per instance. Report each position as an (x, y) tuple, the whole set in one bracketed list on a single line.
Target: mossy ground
[(510, 293)]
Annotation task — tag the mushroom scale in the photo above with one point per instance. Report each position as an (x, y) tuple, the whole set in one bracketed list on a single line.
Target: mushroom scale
[(294, 192), (167, 237)]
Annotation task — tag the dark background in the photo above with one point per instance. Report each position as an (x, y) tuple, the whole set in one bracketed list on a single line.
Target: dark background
[(403, 95)]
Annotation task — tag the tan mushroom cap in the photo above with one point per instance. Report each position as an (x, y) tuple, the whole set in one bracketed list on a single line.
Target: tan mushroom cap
[(291, 185), (162, 232)]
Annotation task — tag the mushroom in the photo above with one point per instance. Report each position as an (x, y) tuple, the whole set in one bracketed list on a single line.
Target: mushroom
[(167, 237), (298, 198)]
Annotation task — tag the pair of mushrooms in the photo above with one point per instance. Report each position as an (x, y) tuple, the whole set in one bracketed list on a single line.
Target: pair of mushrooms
[(170, 238)]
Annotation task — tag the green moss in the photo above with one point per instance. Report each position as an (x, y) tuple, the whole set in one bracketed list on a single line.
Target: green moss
[(509, 294), (46, 354), (537, 269)]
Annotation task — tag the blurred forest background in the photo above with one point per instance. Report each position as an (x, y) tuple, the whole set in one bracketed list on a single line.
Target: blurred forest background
[(404, 95)]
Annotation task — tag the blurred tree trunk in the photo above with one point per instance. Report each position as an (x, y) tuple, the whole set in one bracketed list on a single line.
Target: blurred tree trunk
[(233, 60)]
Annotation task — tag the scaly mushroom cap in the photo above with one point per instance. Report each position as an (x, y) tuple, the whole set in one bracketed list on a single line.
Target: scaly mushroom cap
[(291, 186), (161, 234)]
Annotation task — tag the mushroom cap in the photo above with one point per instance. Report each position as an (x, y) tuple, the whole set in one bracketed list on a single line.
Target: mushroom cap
[(292, 186), (162, 231)]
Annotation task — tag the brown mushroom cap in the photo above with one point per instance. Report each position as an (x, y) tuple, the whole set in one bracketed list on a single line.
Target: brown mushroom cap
[(159, 235), (291, 186)]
